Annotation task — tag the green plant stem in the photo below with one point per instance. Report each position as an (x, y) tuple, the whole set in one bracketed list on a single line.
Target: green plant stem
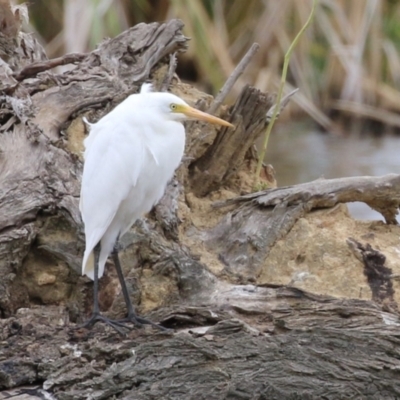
[(280, 92)]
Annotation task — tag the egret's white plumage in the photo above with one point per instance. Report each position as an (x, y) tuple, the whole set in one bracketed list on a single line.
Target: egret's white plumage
[(128, 164), (130, 155)]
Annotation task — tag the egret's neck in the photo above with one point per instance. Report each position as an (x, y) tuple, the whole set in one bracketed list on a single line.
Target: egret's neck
[(164, 139)]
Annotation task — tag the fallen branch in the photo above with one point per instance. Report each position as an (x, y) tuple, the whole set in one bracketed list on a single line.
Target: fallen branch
[(37, 67), (380, 193), (266, 217)]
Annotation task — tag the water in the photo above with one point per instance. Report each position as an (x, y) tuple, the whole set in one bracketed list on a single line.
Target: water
[(300, 153)]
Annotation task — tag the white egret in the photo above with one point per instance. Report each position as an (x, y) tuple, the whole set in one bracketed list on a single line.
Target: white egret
[(130, 155)]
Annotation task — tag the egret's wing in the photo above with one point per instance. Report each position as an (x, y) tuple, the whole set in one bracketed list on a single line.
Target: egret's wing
[(113, 163)]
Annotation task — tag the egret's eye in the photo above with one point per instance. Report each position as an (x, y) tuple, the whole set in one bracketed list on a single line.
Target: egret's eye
[(173, 107)]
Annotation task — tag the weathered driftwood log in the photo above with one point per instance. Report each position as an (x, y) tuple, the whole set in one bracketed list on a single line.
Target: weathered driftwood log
[(288, 344), (244, 238), (380, 193)]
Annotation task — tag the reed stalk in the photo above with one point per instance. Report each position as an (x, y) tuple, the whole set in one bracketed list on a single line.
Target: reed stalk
[(280, 93)]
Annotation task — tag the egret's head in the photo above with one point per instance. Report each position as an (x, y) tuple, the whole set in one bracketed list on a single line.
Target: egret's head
[(178, 110)]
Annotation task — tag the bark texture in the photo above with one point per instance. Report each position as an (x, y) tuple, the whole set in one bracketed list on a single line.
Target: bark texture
[(225, 156), (203, 271), (289, 349)]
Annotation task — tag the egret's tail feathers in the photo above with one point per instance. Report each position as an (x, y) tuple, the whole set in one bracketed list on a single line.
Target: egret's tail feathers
[(88, 265), (88, 258)]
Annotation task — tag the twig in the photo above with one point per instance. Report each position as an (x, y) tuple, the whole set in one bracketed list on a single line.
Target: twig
[(284, 101), (169, 75), (280, 91), (37, 67), (233, 78)]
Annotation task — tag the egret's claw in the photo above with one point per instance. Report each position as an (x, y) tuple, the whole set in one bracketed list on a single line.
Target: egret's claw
[(100, 318), (139, 321)]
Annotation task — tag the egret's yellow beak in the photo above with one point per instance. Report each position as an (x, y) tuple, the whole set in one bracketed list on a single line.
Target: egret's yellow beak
[(202, 116)]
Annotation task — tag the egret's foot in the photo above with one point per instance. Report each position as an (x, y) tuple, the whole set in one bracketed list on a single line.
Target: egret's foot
[(117, 325), (139, 321)]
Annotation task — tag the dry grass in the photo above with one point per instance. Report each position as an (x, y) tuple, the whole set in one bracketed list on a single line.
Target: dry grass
[(349, 56)]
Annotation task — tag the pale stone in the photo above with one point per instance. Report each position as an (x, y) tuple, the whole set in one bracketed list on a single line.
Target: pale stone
[(45, 279)]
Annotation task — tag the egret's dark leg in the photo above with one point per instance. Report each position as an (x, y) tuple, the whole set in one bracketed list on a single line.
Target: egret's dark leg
[(132, 316), (96, 316), (96, 308)]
